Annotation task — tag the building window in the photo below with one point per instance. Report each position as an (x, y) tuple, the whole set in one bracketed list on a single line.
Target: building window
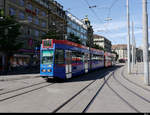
[(37, 21), (29, 6), (30, 18), (29, 31), (37, 11), (43, 13), (12, 12), (43, 24), (21, 2), (36, 33), (21, 15)]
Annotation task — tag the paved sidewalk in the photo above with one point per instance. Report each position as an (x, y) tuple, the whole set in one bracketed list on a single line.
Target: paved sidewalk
[(21, 73), (124, 93), (17, 77), (137, 74)]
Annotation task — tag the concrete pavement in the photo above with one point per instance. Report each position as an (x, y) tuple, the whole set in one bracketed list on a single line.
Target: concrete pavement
[(124, 93), (17, 77)]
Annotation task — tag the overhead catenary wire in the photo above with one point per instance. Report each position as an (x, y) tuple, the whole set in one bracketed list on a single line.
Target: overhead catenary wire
[(100, 20), (93, 11)]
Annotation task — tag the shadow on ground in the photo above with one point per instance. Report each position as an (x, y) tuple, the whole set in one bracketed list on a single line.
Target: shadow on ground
[(93, 75), (22, 70)]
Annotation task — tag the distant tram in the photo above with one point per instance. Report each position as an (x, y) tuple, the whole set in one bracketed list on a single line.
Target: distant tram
[(64, 59)]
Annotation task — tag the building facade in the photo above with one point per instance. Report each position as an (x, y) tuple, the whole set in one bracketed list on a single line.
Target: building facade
[(41, 16), (76, 27), (121, 50), (102, 42)]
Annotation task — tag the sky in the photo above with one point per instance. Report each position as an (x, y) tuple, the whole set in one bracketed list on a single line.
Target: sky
[(115, 29)]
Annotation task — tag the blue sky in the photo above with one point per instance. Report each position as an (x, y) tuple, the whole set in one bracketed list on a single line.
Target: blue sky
[(116, 29)]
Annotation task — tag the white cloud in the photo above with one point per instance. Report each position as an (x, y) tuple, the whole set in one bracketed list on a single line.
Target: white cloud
[(124, 34), (114, 26)]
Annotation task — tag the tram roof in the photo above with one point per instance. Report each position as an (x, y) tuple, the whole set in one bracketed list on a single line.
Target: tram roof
[(66, 42)]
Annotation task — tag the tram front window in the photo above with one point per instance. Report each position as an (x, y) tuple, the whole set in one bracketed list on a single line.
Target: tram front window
[(47, 57)]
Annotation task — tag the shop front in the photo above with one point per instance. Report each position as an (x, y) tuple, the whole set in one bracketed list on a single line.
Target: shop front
[(2, 62), (19, 60)]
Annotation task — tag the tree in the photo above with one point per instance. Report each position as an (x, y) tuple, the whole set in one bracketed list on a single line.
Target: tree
[(1, 12), (117, 56), (51, 35), (9, 42), (74, 38), (98, 47)]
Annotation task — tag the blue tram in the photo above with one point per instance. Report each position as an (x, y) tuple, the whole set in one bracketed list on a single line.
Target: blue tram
[(64, 59)]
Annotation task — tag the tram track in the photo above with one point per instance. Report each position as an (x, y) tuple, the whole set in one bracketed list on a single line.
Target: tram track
[(21, 88), (119, 95), (24, 90), (140, 86), (20, 91), (132, 92), (81, 91)]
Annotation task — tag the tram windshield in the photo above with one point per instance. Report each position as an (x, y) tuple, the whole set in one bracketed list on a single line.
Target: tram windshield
[(47, 57)]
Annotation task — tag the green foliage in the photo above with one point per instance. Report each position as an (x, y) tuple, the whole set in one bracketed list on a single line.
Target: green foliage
[(74, 38), (50, 35), (117, 56), (98, 47), (1, 12), (9, 32)]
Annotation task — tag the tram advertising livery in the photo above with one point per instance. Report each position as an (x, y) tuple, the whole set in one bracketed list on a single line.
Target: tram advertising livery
[(64, 59)]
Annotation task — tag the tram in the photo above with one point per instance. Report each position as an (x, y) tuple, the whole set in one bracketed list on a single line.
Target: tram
[(64, 59)]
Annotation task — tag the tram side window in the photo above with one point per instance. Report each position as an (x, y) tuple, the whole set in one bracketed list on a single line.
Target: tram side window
[(59, 56), (101, 58), (97, 57), (77, 57)]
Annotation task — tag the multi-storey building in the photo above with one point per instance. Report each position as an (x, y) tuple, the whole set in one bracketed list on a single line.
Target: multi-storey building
[(77, 27), (102, 42), (42, 16), (121, 50)]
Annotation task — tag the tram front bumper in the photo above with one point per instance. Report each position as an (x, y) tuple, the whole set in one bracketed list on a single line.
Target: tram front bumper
[(47, 72)]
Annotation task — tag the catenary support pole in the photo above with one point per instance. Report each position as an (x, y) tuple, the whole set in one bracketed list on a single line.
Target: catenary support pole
[(133, 46), (145, 43), (128, 40)]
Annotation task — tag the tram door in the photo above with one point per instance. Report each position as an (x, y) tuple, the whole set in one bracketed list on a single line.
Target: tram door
[(68, 64), (86, 62)]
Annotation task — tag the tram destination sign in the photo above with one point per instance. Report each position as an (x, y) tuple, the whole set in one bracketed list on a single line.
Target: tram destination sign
[(48, 43)]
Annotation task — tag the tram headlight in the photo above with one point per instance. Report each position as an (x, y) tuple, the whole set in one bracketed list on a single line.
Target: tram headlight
[(49, 70), (50, 66), (43, 70)]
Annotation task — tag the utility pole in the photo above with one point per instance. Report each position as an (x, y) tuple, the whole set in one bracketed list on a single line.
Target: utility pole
[(145, 43), (128, 40), (133, 47), (4, 6)]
